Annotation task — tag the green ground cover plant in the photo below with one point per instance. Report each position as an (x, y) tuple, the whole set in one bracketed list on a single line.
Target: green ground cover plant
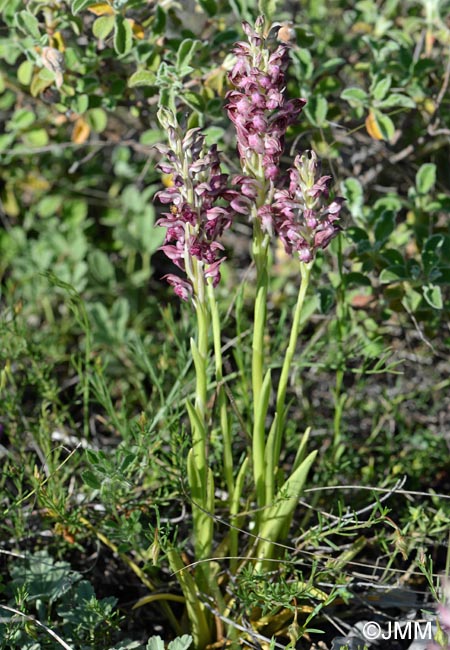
[(268, 457)]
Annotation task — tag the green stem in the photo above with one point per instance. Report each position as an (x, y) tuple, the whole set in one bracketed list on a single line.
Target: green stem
[(343, 317), (222, 399), (260, 255), (305, 271), (200, 477), (201, 368), (272, 456), (260, 248)]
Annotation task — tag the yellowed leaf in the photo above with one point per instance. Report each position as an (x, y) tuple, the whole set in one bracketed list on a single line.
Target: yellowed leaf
[(35, 183), (101, 9), (39, 83), (372, 127), (362, 28), (10, 204), (429, 106), (137, 28), (81, 131), (57, 41), (215, 80)]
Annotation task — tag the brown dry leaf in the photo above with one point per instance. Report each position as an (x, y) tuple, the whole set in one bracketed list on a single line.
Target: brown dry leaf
[(81, 131), (361, 301), (101, 9), (372, 127), (53, 60)]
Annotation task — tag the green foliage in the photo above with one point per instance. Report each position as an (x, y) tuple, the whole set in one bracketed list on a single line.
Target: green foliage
[(59, 598), (180, 643), (95, 363)]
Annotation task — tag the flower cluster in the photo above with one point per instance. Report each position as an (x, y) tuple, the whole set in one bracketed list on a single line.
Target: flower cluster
[(292, 206), (302, 216), (258, 107), (194, 222), (298, 214)]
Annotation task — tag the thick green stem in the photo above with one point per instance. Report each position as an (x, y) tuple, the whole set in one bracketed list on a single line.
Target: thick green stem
[(201, 481), (201, 369), (260, 255)]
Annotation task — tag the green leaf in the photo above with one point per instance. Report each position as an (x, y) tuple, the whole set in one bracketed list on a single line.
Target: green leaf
[(155, 643), (21, 119), (180, 643), (123, 35), (153, 136), (120, 314), (97, 458), (6, 141), (267, 8), (426, 178), (79, 5), (302, 56), (49, 205), (195, 609), (356, 278), (142, 78), (330, 64), (326, 299), (213, 134), (411, 299), (159, 25), (103, 26), (385, 124), (384, 226), (413, 269), (194, 101), (81, 103), (433, 295), (100, 267), (25, 72), (317, 109), (380, 89), (284, 505), (394, 273), (97, 119), (186, 51), (91, 479), (209, 6), (36, 138), (393, 257), (397, 99), (353, 193), (432, 251), (26, 22), (354, 96)]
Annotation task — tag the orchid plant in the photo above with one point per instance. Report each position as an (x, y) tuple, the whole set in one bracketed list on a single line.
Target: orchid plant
[(293, 206)]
